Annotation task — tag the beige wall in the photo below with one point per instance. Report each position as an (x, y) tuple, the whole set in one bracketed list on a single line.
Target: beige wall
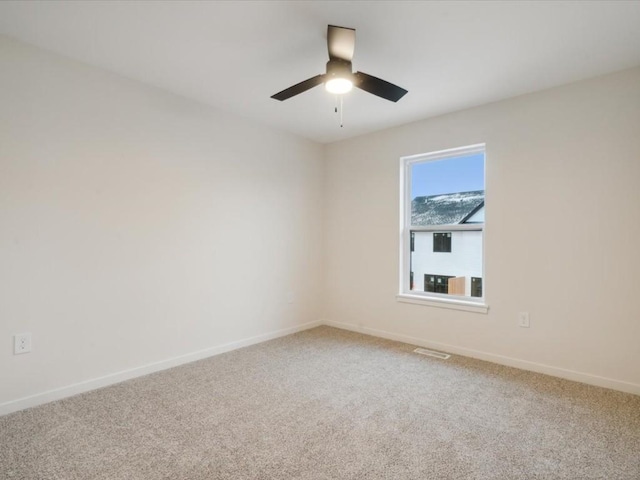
[(138, 226), (141, 230), (563, 219)]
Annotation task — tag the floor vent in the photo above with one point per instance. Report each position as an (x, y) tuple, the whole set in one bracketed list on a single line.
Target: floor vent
[(432, 353)]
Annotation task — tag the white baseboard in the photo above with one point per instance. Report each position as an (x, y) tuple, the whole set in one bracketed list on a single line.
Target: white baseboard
[(94, 383), (587, 378)]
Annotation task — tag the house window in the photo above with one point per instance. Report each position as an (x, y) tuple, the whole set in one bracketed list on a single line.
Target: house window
[(442, 242), (476, 287), (443, 211), (436, 283)]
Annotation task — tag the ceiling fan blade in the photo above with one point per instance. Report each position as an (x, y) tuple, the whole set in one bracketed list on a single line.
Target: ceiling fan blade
[(341, 42), (299, 88), (378, 87)]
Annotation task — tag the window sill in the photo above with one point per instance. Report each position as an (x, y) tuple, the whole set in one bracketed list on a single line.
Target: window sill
[(453, 304)]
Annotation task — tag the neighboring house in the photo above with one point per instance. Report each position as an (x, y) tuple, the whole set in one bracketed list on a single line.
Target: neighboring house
[(446, 260)]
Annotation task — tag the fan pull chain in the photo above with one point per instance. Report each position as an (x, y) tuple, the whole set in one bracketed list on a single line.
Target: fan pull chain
[(339, 108)]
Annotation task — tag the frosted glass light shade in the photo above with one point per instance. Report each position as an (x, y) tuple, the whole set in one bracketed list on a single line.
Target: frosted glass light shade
[(338, 85)]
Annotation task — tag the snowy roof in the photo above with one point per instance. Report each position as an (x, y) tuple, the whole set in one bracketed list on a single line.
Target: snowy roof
[(446, 209)]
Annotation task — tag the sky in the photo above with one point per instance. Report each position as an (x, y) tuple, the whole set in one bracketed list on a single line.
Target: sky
[(458, 174)]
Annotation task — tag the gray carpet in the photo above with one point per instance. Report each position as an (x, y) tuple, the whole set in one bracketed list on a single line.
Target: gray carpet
[(329, 404)]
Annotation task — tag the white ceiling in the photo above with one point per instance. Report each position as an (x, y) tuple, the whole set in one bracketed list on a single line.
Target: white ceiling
[(235, 55)]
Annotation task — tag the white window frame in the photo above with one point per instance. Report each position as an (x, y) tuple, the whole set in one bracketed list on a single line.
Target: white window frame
[(405, 294)]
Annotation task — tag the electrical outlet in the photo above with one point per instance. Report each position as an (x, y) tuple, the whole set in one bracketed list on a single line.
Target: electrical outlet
[(21, 343), (523, 319), (291, 297)]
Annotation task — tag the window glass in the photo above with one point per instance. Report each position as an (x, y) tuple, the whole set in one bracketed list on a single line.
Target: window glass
[(443, 228)]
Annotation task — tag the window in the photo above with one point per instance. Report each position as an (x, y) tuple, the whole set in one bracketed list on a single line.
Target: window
[(442, 226), (442, 242), (436, 283), (476, 287)]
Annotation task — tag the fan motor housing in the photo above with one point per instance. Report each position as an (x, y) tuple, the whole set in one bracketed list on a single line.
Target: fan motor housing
[(337, 68)]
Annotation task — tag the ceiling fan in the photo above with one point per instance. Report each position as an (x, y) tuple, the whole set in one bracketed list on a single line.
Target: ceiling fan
[(340, 78)]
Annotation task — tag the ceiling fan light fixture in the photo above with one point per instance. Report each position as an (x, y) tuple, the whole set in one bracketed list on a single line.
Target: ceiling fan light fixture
[(338, 85), (339, 77)]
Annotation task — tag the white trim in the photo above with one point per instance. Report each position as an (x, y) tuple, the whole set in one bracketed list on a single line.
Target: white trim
[(404, 262), (454, 304), (447, 153), (581, 377), (112, 378)]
